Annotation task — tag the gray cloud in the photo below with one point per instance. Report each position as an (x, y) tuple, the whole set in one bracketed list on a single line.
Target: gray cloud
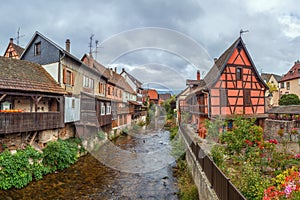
[(273, 40)]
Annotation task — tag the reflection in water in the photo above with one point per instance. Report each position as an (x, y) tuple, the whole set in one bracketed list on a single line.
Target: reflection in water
[(90, 179)]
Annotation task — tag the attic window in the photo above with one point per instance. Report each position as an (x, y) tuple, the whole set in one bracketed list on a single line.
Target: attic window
[(37, 48), (298, 70), (238, 73)]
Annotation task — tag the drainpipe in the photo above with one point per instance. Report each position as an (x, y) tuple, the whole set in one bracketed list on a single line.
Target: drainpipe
[(208, 103), (59, 67)]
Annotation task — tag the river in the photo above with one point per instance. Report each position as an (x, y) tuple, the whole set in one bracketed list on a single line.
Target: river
[(139, 167)]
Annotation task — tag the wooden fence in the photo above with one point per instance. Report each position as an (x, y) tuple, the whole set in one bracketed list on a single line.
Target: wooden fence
[(223, 187)]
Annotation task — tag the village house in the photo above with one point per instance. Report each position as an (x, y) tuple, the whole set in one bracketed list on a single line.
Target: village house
[(13, 50), (31, 105), (119, 93), (163, 97), (80, 81), (150, 96), (232, 87), (290, 82), (272, 94)]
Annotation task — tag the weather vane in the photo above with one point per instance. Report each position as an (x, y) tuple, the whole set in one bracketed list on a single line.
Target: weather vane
[(242, 31)]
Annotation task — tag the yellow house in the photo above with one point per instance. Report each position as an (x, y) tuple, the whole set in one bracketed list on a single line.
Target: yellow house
[(290, 82)]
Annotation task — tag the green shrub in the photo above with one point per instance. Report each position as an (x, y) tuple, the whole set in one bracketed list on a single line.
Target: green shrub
[(60, 155), (218, 154), (252, 183)]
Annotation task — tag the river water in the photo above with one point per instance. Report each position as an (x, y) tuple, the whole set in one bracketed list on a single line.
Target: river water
[(137, 166)]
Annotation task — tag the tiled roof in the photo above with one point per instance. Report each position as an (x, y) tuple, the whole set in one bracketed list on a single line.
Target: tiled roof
[(293, 73), (219, 64), (133, 79), (18, 49), (291, 109), (152, 94), (266, 77), (26, 76)]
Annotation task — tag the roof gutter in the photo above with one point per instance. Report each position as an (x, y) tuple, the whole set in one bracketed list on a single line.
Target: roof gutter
[(59, 66)]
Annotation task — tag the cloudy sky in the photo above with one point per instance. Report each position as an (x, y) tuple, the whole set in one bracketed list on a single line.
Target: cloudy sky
[(163, 42)]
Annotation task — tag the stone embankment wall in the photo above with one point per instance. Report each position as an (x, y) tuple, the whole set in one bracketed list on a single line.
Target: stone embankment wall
[(204, 187)]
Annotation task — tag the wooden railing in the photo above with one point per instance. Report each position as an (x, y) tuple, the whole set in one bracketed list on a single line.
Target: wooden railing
[(223, 187), (29, 121)]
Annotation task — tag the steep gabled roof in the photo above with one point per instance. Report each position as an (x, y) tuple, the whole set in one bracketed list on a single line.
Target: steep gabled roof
[(26, 76), (153, 95), (36, 34), (267, 76), (220, 64), (133, 79), (92, 63), (19, 50), (293, 73)]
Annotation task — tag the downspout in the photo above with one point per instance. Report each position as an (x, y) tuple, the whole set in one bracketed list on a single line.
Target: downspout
[(59, 67), (208, 103)]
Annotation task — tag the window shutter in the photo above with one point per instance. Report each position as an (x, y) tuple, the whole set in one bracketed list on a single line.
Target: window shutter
[(100, 87), (65, 76), (73, 78)]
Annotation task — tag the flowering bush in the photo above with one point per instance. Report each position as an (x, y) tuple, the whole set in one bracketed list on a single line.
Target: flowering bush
[(288, 186), (280, 132), (294, 131)]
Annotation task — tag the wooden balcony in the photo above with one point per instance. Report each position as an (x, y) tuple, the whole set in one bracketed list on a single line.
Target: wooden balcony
[(29, 121)]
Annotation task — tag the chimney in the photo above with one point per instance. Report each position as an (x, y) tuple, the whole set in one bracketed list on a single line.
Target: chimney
[(198, 75), (68, 45), (215, 59), (123, 70), (297, 62), (115, 69), (11, 40)]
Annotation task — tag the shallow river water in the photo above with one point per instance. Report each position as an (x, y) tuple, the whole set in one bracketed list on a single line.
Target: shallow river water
[(131, 167)]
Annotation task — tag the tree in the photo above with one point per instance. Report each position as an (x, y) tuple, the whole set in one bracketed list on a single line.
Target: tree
[(289, 99)]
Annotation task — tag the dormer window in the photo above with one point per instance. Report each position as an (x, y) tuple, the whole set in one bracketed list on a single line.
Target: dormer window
[(37, 48)]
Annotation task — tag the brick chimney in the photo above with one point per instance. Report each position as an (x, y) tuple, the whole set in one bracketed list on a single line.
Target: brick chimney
[(198, 75), (11, 40), (68, 45)]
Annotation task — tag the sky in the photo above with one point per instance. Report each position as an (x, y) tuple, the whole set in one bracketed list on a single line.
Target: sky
[(161, 43)]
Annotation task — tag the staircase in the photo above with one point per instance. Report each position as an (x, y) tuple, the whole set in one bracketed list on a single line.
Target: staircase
[(29, 139)]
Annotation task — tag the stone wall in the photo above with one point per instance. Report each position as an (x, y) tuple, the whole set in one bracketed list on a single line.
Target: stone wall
[(204, 187), (272, 126)]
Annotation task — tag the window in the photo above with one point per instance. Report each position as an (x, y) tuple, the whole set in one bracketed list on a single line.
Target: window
[(102, 109), (298, 70), (101, 88), (108, 90), (68, 77), (37, 48), (73, 103), (238, 73), (88, 82), (287, 85), (247, 98), (282, 85), (108, 108)]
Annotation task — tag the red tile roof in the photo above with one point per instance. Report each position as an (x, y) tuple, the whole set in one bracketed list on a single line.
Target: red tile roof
[(293, 73), (22, 75), (153, 95)]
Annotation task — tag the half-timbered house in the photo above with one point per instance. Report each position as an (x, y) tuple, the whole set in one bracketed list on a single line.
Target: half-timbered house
[(13, 50), (231, 87), (31, 104)]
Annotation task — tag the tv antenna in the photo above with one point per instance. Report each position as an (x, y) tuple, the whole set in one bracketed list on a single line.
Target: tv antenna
[(243, 31), (18, 36), (91, 43)]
